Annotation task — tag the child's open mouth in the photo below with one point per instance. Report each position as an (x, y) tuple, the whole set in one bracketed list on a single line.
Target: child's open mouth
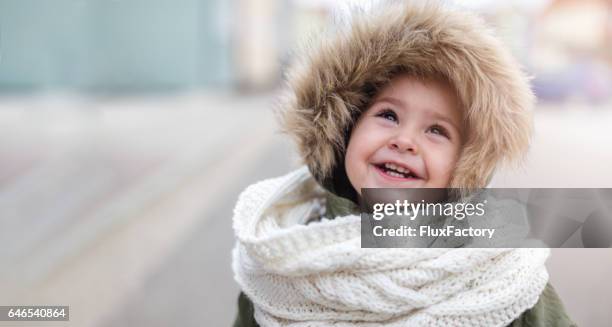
[(395, 171)]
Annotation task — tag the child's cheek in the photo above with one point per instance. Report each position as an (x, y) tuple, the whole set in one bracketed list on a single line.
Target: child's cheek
[(450, 167), (440, 162)]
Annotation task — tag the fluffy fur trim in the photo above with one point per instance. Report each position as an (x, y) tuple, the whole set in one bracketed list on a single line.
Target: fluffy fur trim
[(335, 77)]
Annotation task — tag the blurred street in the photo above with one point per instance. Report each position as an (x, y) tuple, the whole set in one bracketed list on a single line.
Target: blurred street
[(125, 214), (129, 128)]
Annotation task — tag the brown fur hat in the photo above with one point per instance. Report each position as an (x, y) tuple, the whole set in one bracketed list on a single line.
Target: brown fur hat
[(335, 78)]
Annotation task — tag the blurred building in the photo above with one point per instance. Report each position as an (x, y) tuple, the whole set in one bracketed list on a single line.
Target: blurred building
[(135, 46), (571, 55), (114, 46)]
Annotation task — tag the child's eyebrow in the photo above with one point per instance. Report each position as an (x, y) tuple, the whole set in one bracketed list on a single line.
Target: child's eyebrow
[(395, 101)]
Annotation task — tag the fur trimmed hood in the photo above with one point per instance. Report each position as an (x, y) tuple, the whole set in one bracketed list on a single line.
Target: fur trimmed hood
[(334, 78)]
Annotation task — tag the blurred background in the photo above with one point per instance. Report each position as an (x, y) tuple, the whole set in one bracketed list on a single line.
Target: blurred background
[(129, 127)]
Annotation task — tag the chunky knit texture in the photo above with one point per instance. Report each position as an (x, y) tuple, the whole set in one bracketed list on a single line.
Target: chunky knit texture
[(317, 274)]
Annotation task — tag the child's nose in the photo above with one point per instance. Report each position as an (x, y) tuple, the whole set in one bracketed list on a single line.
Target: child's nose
[(404, 142)]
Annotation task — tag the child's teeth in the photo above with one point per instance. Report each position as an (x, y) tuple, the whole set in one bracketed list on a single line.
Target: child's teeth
[(396, 168), (396, 174)]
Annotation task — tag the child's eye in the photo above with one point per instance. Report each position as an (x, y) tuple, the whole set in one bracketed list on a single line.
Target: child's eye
[(439, 130), (388, 114)]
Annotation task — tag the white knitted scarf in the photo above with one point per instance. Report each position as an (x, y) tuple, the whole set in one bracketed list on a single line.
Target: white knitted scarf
[(316, 274)]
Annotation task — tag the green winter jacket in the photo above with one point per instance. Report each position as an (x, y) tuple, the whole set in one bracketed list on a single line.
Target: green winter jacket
[(548, 311)]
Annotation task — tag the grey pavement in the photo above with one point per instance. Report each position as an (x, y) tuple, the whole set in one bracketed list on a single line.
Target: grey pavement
[(195, 286)]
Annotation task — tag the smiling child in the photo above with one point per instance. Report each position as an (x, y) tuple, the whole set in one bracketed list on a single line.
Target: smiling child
[(408, 95)]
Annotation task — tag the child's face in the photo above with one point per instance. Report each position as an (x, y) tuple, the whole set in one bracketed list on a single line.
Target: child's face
[(409, 137)]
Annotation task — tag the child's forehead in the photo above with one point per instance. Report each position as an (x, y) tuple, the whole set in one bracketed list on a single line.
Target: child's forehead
[(404, 82)]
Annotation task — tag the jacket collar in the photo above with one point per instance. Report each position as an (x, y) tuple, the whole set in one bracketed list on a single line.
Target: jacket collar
[(337, 206)]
